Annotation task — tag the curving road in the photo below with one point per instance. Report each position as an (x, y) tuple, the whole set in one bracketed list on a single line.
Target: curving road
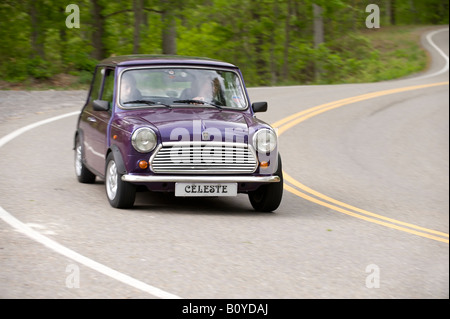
[(364, 214)]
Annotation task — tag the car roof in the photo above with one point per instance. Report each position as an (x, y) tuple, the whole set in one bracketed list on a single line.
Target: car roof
[(147, 59)]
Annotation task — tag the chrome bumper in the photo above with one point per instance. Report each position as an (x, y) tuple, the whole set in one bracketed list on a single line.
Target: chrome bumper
[(199, 179)]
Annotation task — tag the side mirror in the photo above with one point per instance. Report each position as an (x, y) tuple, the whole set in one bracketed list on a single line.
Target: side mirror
[(101, 105), (259, 107)]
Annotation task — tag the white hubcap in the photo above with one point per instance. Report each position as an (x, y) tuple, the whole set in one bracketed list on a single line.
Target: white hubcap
[(111, 180), (78, 163)]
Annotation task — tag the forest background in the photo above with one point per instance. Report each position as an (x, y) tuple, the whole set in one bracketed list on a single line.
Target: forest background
[(274, 42)]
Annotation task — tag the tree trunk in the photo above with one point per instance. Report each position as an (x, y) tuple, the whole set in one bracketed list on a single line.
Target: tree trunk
[(287, 39), (273, 67), (98, 24), (387, 5), (62, 39), (260, 62), (169, 31), (37, 37), (392, 13), (138, 6), (169, 34), (318, 25), (318, 36)]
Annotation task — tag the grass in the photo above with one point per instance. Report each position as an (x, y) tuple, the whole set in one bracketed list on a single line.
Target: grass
[(397, 53)]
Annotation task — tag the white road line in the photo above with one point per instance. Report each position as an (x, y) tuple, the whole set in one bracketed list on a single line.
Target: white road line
[(27, 128), (53, 245), (431, 42)]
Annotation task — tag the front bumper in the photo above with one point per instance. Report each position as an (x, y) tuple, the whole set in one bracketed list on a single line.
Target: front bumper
[(199, 179)]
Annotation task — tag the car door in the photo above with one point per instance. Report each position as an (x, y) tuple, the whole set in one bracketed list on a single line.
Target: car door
[(94, 123)]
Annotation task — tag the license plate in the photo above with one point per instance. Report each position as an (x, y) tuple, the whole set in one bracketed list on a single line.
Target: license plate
[(205, 189)]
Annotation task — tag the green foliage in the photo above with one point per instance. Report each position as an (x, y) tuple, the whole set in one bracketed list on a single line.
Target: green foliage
[(39, 68), (271, 40)]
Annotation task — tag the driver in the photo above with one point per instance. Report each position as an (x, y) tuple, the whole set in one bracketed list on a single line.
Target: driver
[(209, 90), (128, 90)]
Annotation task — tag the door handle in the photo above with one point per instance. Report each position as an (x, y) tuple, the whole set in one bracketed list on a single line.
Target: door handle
[(91, 119)]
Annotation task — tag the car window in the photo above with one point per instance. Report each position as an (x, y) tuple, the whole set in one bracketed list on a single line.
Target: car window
[(108, 86), (181, 86), (97, 84)]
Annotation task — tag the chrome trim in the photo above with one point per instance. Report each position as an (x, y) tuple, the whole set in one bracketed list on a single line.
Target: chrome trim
[(199, 179), (248, 165), (206, 143), (158, 147)]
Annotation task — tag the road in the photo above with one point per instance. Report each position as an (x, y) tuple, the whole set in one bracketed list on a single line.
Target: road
[(365, 212)]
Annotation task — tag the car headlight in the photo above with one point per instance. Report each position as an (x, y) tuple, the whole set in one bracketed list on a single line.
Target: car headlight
[(265, 141), (144, 140)]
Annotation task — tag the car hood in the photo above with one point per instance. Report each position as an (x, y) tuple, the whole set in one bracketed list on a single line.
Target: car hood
[(189, 124)]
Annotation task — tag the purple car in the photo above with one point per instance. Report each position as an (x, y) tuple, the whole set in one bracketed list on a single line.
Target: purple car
[(176, 124)]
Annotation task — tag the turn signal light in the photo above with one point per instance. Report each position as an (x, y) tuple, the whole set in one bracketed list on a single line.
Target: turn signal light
[(264, 164), (143, 164)]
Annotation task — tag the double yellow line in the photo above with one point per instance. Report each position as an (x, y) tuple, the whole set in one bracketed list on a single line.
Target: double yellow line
[(307, 193)]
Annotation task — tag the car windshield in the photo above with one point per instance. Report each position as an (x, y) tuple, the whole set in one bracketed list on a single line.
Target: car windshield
[(181, 87)]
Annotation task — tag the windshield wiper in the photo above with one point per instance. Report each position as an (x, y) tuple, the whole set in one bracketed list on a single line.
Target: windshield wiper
[(198, 102), (148, 102)]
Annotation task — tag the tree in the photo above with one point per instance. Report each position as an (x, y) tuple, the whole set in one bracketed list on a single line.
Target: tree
[(318, 35), (138, 11), (169, 33), (38, 32), (98, 25)]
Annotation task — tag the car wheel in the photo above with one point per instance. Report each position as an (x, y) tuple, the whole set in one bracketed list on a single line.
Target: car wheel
[(84, 175), (120, 194), (268, 197)]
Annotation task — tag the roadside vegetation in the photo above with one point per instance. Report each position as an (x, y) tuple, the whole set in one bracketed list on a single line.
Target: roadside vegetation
[(274, 42), (392, 52)]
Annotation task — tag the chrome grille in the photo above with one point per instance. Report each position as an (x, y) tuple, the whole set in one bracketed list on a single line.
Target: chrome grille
[(204, 158)]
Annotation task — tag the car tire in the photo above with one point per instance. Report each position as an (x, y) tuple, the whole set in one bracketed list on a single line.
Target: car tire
[(268, 197), (119, 193), (84, 175)]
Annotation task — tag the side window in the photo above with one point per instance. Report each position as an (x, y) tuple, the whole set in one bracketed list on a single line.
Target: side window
[(108, 86), (97, 84)]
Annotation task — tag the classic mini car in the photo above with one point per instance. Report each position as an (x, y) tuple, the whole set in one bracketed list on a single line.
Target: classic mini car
[(176, 124)]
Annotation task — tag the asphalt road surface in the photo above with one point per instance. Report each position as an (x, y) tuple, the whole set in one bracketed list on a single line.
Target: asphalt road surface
[(365, 212)]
